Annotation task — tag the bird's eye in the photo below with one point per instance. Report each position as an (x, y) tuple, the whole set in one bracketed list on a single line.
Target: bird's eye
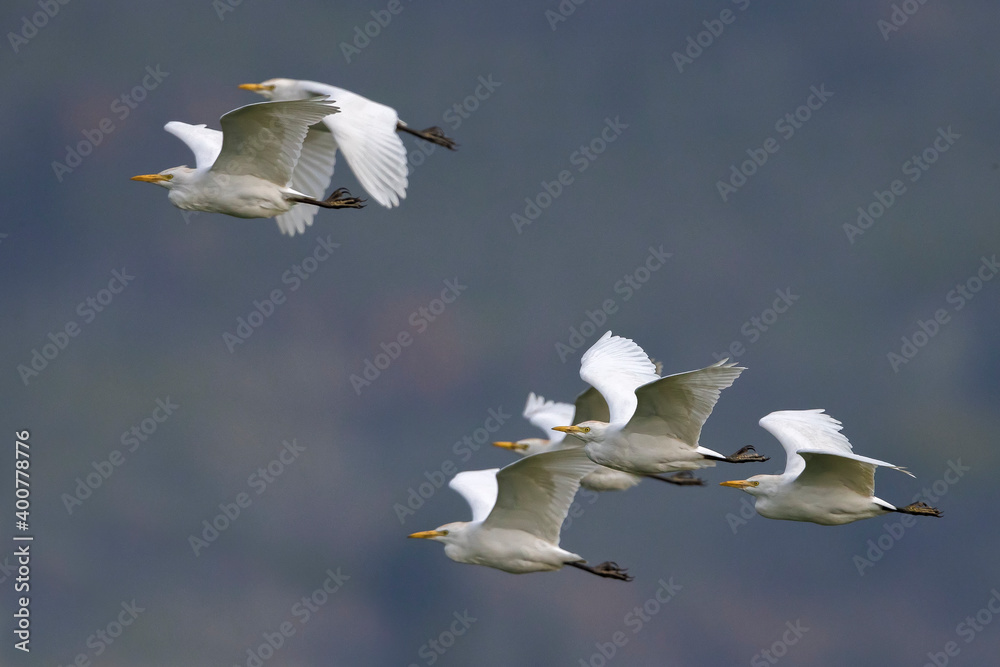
[(755, 483), (586, 429)]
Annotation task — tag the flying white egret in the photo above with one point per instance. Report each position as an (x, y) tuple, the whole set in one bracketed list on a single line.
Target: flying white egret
[(653, 423), (547, 415), (365, 131), (517, 512), (824, 481), (254, 167)]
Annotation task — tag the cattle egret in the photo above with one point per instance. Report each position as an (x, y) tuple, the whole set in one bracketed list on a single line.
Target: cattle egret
[(824, 481), (517, 512), (366, 133), (546, 415), (653, 423), (253, 167)]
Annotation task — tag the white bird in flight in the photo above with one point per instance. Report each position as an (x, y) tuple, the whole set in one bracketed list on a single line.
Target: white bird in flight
[(824, 481), (517, 513), (365, 131), (547, 415), (653, 423), (254, 167)]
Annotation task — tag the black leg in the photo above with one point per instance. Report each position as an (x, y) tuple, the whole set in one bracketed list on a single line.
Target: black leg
[(745, 455), (680, 479), (920, 509), (606, 569), (435, 135), (335, 200)]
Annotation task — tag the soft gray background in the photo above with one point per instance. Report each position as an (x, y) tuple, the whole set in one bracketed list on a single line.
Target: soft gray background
[(655, 185)]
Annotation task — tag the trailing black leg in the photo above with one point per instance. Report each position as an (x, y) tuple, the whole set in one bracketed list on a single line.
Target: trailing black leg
[(607, 569), (435, 135)]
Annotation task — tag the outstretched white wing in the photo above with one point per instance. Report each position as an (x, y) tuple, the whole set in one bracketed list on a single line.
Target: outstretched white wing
[(265, 139), (546, 414), (205, 143), (479, 488), (366, 132), (802, 432), (678, 405), (535, 493), (312, 176), (616, 367)]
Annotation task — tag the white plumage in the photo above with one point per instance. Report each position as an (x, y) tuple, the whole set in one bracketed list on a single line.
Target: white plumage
[(517, 513), (365, 131), (255, 166), (547, 415), (824, 481), (654, 424)]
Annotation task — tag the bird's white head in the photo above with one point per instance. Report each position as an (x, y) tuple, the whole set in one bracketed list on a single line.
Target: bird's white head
[(276, 89), (757, 486), (525, 447), (168, 178), (588, 431)]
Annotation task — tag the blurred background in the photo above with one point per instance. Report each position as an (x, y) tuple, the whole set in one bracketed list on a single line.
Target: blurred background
[(146, 428)]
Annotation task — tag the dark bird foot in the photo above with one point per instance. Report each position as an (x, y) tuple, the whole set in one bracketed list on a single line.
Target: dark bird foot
[(680, 479), (339, 200), (335, 200), (920, 509), (435, 135), (607, 569), (746, 455)]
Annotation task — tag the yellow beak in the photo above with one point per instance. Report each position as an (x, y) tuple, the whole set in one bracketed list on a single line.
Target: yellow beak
[(737, 484), (152, 178), (255, 87), (513, 446), (427, 534), (568, 429)]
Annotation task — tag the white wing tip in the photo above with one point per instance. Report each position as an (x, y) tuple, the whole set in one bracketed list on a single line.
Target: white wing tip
[(812, 415)]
